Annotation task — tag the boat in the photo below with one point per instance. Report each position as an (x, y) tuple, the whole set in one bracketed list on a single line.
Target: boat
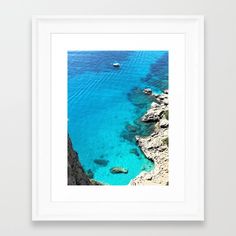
[(116, 64)]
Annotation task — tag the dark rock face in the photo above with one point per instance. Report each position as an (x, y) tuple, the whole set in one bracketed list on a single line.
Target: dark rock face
[(76, 173)]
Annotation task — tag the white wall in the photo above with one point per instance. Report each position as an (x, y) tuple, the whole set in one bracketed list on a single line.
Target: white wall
[(15, 118)]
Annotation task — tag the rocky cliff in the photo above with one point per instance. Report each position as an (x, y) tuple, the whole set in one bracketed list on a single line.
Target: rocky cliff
[(76, 173), (155, 146)]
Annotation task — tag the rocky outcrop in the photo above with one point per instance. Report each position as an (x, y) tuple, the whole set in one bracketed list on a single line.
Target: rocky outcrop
[(118, 170), (76, 173), (155, 146), (153, 114)]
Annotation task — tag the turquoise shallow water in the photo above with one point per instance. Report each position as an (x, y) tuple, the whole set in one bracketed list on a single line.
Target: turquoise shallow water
[(105, 105)]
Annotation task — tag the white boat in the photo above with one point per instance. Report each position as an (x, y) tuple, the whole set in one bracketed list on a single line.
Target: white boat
[(116, 64)]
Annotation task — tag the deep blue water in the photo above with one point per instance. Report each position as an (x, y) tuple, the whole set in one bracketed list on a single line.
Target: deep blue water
[(105, 105)]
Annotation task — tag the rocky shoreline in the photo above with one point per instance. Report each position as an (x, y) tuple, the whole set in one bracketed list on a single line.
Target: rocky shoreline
[(75, 171), (155, 146)]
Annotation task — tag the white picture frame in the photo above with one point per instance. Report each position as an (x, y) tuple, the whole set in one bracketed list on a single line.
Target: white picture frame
[(52, 200)]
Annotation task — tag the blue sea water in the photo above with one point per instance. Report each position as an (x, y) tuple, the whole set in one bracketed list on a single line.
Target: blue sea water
[(105, 105)]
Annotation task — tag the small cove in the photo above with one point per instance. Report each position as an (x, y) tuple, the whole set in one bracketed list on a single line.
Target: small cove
[(105, 105)]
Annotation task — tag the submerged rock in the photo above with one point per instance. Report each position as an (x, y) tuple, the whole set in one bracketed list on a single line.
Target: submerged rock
[(118, 170), (129, 136), (131, 128), (101, 162), (139, 128)]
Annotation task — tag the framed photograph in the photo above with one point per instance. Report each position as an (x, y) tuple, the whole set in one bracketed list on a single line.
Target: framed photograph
[(118, 118)]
